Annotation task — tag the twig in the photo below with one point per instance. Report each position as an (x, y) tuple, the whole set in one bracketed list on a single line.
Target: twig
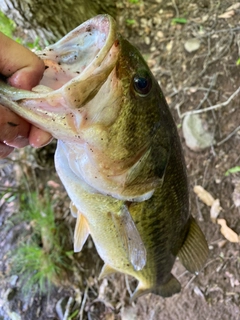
[(220, 31), (216, 106), (83, 304), (207, 264), (127, 285), (221, 54), (228, 137), (205, 63), (176, 8), (68, 306), (213, 82), (200, 216)]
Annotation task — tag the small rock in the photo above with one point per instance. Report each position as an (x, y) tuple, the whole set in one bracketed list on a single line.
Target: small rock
[(192, 45), (160, 34), (169, 46), (147, 40), (143, 21), (195, 133)]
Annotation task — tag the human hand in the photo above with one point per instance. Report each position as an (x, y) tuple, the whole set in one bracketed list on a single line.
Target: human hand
[(23, 69)]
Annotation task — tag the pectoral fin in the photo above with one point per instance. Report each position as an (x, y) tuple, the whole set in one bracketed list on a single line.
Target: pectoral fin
[(194, 251), (130, 238), (106, 271), (81, 232), (168, 289), (73, 209)]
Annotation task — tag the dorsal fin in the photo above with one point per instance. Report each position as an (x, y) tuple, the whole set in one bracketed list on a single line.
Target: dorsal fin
[(194, 252), (106, 271)]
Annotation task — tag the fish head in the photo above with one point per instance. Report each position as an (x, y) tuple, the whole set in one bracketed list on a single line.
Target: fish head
[(100, 100)]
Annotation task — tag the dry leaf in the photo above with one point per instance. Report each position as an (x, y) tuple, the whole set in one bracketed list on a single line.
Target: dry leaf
[(215, 209), (169, 46), (228, 233), (205, 196), (235, 6), (222, 243), (227, 14)]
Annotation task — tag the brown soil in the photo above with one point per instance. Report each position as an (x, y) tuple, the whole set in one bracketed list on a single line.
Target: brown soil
[(203, 78)]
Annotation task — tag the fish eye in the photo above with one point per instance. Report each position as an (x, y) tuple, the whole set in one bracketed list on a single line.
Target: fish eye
[(142, 83)]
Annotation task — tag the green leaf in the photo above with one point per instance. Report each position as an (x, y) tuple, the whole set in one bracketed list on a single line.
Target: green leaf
[(232, 170), (130, 22), (179, 21), (74, 314), (238, 62), (7, 26)]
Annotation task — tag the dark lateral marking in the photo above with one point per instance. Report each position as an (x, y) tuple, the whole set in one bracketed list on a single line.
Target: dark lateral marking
[(46, 67), (88, 29), (12, 124)]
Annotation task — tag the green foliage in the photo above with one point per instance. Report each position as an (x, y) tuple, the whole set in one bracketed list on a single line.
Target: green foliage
[(7, 26), (179, 21), (34, 45), (73, 315), (134, 1), (238, 62), (130, 22), (41, 260), (232, 170)]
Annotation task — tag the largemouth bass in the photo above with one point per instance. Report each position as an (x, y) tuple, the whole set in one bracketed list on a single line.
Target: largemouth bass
[(118, 155)]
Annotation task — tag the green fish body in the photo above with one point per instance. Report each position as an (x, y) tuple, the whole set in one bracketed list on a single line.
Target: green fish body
[(118, 155)]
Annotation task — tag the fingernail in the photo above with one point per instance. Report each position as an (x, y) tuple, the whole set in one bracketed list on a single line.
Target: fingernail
[(41, 140), (46, 142), (18, 142)]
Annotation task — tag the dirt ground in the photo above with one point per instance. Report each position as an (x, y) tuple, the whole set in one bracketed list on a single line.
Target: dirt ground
[(190, 80)]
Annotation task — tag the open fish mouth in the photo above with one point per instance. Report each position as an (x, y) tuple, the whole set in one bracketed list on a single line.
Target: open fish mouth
[(78, 53), (76, 67)]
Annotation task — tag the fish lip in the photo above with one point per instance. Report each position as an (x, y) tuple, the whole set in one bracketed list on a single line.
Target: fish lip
[(99, 22)]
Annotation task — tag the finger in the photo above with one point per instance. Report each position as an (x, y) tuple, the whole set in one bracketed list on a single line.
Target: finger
[(14, 130), (5, 150), (26, 78), (39, 138), (23, 68)]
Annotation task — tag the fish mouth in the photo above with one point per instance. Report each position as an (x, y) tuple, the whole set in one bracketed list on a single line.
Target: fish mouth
[(79, 53), (76, 68)]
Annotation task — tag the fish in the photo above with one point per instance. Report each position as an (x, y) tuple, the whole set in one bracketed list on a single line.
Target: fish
[(118, 155)]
